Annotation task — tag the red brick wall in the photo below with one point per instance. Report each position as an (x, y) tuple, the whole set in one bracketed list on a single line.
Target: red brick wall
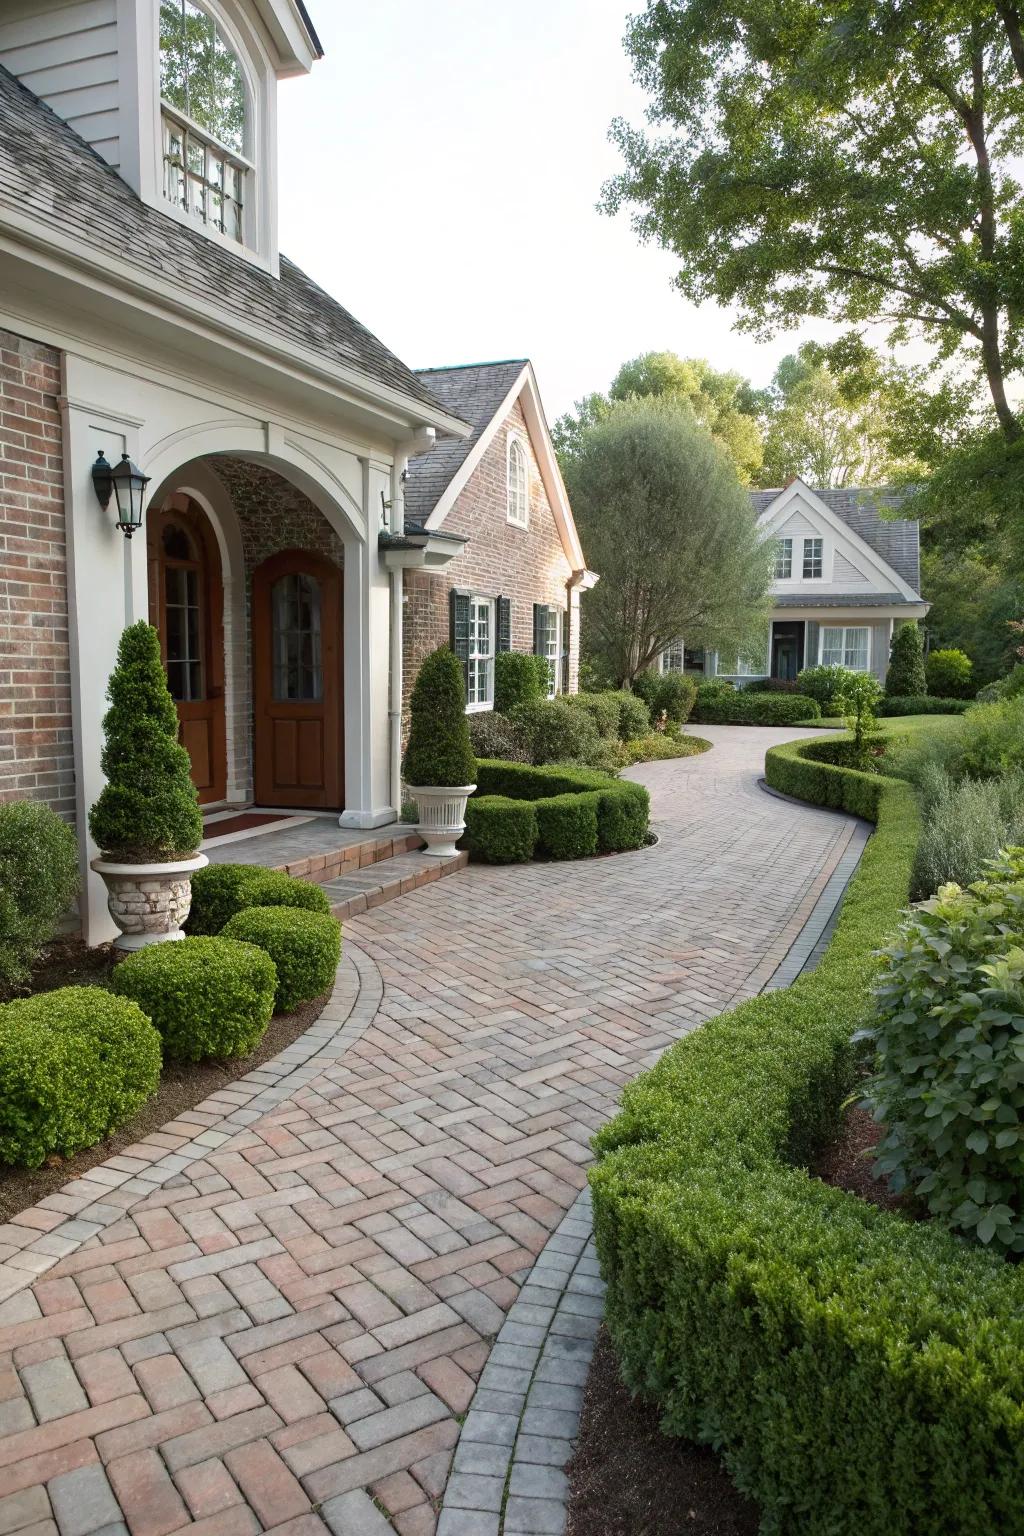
[(527, 565), (36, 755)]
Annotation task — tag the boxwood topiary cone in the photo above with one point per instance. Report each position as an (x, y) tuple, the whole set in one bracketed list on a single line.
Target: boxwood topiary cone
[(439, 751), (905, 677), (148, 812)]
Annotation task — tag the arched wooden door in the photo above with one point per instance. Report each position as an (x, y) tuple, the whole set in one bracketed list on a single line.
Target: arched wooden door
[(186, 596), (297, 682)]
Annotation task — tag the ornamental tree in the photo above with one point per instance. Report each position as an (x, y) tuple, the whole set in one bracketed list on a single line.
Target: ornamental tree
[(905, 677)]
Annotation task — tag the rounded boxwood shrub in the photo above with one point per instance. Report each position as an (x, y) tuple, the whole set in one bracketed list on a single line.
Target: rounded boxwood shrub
[(304, 946), (438, 752), (623, 816), (634, 716), (603, 709), (567, 825), (501, 831), (516, 680), (206, 996), (556, 732), (950, 674), (221, 890), (906, 675), (75, 1064), (148, 810), (38, 883)]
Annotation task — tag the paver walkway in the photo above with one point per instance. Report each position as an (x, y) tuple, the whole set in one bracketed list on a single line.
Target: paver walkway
[(286, 1335)]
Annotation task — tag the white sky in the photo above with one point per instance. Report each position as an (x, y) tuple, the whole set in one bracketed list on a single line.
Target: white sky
[(440, 170)]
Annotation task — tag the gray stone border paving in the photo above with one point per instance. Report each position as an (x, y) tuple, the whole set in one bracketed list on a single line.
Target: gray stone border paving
[(509, 1474), (110, 1190)]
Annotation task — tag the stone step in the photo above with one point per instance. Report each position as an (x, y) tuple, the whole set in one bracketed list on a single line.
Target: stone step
[(358, 890)]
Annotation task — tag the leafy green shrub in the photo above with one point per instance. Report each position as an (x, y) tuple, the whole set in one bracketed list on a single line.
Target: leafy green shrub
[(928, 705), (207, 997), (494, 735), (965, 825), (634, 716), (556, 732), (304, 946), (824, 684), (660, 745), (857, 700), (38, 882), (438, 752), (673, 692), (567, 825), (985, 743), (147, 811), (603, 708), (221, 890), (623, 817), (905, 675), (516, 680), (948, 1081), (950, 674), (75, 1064), (499, 830), (718, 706)]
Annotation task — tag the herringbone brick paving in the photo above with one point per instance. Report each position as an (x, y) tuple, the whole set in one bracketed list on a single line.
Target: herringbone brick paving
[(284, 1336)]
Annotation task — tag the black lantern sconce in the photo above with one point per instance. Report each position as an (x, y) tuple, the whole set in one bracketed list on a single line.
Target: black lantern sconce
[(127, 484)]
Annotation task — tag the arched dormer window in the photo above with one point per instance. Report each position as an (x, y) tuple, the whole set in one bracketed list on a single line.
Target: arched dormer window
[(204, 108), (518, 482)]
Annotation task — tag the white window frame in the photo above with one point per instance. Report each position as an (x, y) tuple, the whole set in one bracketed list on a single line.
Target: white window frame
[(673, 657), (844, 648), (512, 494), (477, 605), (783, 558), (553, 657), (808, 556)]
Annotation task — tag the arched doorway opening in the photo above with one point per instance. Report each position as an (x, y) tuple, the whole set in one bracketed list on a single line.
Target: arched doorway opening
[(186, 602)]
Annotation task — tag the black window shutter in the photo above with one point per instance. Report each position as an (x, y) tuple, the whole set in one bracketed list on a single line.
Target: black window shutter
[(504, 637), (460, 606), (539, 612)]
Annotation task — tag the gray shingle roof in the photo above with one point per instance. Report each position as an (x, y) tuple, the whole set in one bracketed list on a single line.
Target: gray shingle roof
[(840, 599), (48, 171), (896, 540), (474, 393)]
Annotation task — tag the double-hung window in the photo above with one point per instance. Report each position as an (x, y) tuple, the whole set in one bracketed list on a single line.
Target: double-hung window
[(547, 641), (814, 559), (480, 670), (673, 657), (842, 646), (203, 119), (783, 559)]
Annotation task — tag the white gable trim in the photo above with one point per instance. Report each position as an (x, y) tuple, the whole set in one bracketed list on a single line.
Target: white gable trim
[(780, 509), (525, 390)]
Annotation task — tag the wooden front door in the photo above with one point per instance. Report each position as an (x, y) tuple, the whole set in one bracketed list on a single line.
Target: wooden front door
[(297, 682), (186, 595)]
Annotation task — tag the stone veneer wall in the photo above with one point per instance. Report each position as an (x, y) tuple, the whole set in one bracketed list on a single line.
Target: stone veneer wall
[(527, 565), (273, 515), (36, 752)]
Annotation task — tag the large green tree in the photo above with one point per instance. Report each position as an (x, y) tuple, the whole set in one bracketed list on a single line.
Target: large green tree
[(665, 520)]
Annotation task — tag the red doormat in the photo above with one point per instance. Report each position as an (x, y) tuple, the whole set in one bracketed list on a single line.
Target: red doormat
[(244, 822)]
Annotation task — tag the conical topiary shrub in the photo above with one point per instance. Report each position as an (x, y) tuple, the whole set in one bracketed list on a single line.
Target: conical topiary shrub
[(148, 811), (906, 677), (438, 752)]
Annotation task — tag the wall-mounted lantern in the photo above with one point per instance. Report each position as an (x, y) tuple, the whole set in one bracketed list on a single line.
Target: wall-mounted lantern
[(127, 483)]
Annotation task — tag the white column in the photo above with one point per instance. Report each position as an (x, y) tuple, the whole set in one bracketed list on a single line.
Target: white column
[(366, 642)]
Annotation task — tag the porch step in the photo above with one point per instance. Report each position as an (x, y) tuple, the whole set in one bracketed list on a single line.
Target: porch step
[(346, 860), (359, 890)]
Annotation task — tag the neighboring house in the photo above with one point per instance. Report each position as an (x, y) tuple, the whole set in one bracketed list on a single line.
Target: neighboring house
[(145, 310), (516, 580), (844, 577)]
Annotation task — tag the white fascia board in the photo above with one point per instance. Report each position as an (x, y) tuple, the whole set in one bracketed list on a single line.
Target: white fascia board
[(525, 386), (773, 516), (295, 49), (198, 323), (850, 613)]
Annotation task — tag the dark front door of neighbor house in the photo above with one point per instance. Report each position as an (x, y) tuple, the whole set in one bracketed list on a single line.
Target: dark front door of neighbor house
[(186, 595), (297, 681), (787, 650)]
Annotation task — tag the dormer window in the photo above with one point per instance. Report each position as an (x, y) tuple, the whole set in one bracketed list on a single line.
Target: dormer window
[(518, 483), (203, 118)]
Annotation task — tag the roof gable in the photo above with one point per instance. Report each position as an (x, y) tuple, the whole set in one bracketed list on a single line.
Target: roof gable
[(896, 541)]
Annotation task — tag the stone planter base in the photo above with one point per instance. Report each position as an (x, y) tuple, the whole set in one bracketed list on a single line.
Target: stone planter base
[(442, 813), (148, 902)]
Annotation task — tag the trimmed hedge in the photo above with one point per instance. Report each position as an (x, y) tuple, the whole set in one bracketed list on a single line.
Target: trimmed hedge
[(207, 997), (304, 946), (500, 831), (857, 1371), (791, 770), (517, 680), (921, 704), (75, 1064), (724, 706), (38, 883), (221, 890)]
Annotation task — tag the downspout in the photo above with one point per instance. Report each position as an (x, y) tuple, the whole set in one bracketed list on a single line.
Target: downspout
[(579, 582), (422, 441)]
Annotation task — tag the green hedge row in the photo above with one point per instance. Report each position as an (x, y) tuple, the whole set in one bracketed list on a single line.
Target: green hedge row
[(859, 1372), (792, 770), (921, 704), (724, 706), (564, 813)]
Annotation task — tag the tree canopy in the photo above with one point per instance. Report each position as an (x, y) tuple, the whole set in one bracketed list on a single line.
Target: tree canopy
[(665, 520)]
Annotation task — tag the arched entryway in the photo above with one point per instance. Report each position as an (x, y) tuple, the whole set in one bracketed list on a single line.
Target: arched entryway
[(186, 601), (297, 682)]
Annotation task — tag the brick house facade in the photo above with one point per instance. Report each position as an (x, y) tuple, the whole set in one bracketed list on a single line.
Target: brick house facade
[(463, 487)]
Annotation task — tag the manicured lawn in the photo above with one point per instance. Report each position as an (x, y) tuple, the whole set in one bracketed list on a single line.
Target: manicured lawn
[(895, 724)]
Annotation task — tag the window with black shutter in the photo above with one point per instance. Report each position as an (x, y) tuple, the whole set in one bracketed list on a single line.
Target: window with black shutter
[(547, 629)]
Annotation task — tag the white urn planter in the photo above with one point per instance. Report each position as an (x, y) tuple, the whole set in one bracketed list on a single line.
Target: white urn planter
[(148, 902), (442, 813)]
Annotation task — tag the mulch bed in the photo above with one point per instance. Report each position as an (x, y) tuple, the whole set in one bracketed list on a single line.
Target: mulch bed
[(628, 1479), (847, 1164), (183, 1085)]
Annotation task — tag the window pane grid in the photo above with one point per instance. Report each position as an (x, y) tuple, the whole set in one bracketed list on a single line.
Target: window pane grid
[(783, 559), (673, 657), (480, 671), (517, 482), (202, 179), (813, 559), (845, 647), (548, 637), (298, 666)]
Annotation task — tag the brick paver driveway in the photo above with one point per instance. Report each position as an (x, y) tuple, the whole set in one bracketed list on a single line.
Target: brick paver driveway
[(285, 1336)]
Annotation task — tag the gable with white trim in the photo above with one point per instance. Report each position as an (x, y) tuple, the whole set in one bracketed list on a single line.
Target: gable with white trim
[(821, 556)]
